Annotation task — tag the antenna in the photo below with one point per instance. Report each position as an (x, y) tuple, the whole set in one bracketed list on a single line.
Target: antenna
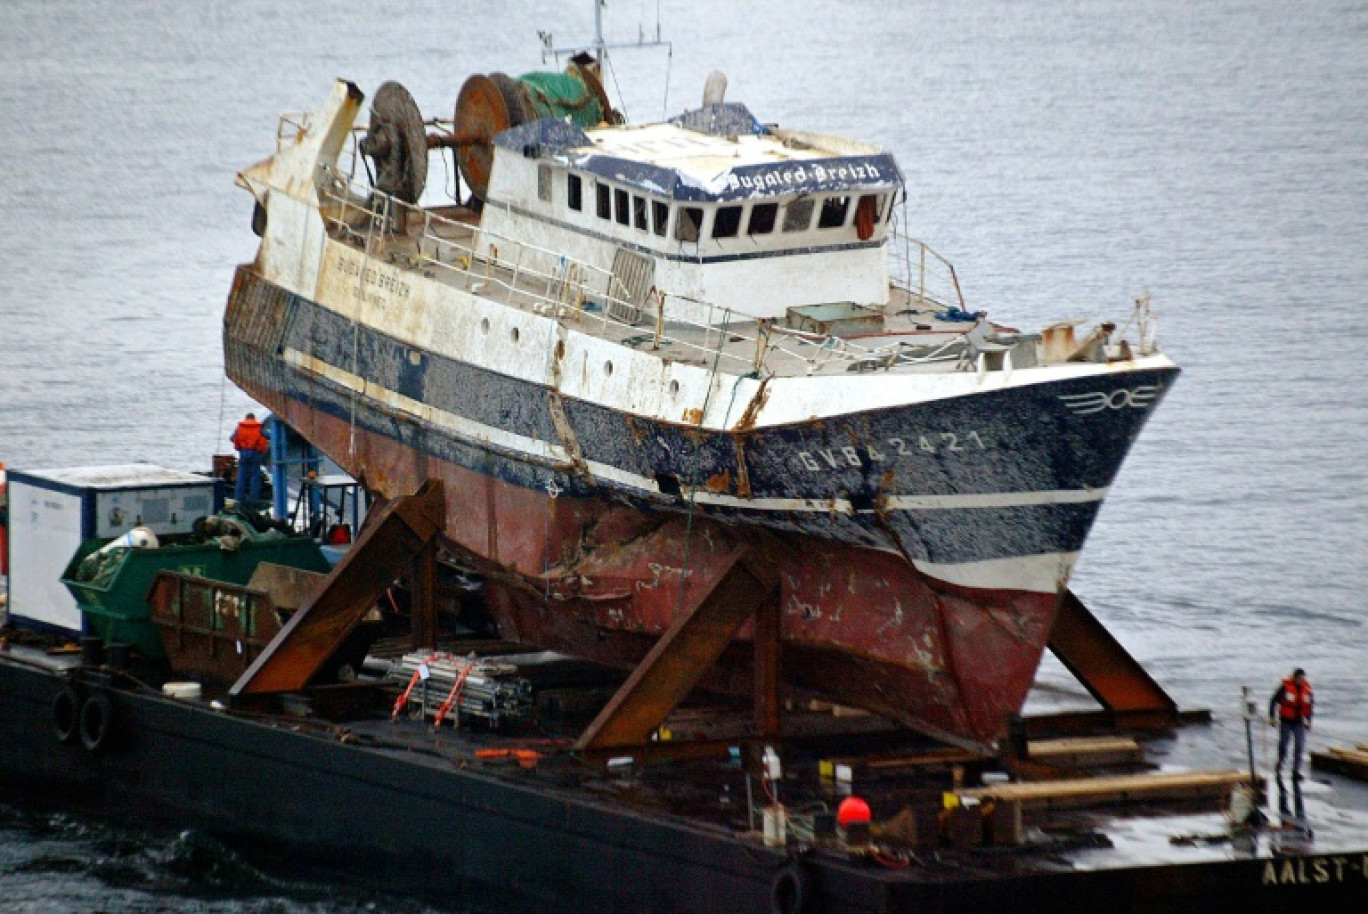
[(599, 47)]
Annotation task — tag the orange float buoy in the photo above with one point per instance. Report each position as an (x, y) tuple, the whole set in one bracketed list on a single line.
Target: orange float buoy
[(852, 811), (864, 218)]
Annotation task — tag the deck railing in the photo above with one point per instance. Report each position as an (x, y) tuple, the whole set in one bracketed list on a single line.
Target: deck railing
[(554, 285), (926, 275)]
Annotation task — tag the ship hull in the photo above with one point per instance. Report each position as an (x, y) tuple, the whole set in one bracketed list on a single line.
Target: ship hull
[(923, 586)]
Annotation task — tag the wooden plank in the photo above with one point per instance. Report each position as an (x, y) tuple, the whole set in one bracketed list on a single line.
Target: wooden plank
[(1075, 752), (1183, 785), (929, 759), (1071, 751), (1349, 762), (1354, 755)]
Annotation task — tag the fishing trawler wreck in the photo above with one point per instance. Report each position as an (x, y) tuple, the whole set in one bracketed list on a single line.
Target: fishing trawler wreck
[(682, 368)]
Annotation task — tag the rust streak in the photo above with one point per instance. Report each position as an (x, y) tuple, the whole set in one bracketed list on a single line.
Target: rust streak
[(757, 403), (743, 488)]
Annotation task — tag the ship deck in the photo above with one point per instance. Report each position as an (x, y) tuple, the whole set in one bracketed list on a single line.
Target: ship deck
[(913, 331)]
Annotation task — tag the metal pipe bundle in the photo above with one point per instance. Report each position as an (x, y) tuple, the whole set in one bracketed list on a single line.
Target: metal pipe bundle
[(491, 691)]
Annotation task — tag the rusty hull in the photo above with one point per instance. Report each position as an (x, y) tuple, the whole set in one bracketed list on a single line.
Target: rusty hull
[(604, 581)]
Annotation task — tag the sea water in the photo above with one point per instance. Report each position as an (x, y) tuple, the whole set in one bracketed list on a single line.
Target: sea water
[(1067, 157)]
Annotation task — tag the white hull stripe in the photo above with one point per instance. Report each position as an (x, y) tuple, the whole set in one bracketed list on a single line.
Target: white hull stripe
[(548, 452), (910, 502), (1046, 573)]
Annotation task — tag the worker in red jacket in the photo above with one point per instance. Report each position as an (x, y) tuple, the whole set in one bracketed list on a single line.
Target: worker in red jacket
[(252, 442), (1290, 709)]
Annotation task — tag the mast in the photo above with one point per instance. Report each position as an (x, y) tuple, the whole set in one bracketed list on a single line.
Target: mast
[(600, 47)]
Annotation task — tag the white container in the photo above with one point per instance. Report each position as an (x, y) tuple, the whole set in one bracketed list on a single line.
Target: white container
[(776, 826), (185, 691), (51, 512)]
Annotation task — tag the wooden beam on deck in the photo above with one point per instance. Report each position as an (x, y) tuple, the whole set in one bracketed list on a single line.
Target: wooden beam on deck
[(1172, 786), (1349, 762), (1079, 752)]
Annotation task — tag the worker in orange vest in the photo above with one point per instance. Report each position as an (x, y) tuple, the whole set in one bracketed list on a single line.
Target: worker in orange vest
[(251, 442), (1290, 709)]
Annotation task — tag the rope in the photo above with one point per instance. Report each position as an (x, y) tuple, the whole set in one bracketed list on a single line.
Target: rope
[(445, 709), (403, 699), (356, 335), (755, 375), (613, 73), (453, 188), (693, 487), (223, 408)]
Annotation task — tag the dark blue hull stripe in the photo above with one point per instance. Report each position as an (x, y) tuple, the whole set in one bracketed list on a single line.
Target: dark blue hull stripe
[(1024, 439), (939, 535), (996, 445)]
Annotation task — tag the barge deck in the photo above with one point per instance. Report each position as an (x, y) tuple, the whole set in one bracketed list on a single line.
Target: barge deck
[(519, 817)]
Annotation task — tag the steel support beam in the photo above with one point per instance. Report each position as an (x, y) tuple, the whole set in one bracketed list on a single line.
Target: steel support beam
[(767, 650), (395, 533), (688, 648), (1109, 673), (423, 600)]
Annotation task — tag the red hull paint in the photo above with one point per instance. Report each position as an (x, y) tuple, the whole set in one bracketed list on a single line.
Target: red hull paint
[(603, 581)]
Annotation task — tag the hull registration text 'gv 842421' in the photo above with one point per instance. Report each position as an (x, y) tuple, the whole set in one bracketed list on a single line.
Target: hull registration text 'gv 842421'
[(936, 443)]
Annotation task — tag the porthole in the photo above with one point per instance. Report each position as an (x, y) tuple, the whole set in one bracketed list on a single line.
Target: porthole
[(674, 388), (608, 369), (484, 325), (513, 334)]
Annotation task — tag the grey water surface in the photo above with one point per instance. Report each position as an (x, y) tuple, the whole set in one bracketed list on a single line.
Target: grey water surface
[(1068, 156)]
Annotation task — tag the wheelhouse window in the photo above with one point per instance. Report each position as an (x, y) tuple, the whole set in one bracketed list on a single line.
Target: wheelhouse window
[(727, 222), (605, 201), (689, 224), (833, 213), (639, 212), (660, 216), (574, 192), (762, 216), (798, 215), (620, 205)]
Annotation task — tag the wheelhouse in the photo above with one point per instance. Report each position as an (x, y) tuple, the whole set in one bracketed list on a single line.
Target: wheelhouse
[(757, 219)]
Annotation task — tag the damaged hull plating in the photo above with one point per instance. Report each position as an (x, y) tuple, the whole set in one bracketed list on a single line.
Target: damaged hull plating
[(920, 539)]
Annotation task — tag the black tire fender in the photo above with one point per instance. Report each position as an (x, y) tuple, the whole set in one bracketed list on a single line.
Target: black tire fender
[(66, 715), (791, 891), (97, 722)]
